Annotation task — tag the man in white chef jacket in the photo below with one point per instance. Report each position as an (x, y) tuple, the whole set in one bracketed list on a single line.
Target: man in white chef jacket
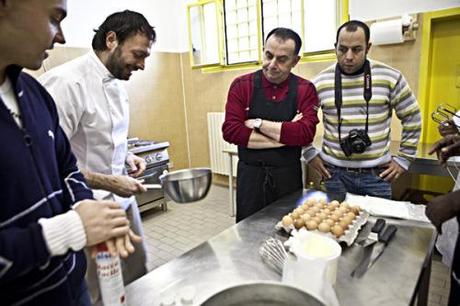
[(94, 113)]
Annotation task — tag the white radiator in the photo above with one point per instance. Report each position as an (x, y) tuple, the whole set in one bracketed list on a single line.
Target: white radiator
[(219, 159)]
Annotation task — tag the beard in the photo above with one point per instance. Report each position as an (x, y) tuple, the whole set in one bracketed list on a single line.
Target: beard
[(117, 66)]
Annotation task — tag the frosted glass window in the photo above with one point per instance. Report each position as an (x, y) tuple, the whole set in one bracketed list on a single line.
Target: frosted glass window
[(204, 35), (321, 23), (282, 13), (241, 31), (211, 34)]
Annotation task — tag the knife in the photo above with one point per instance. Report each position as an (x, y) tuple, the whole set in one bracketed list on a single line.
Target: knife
[(375, 251), (373, 236)]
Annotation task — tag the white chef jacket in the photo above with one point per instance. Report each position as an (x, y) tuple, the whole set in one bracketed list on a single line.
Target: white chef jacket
[(94, 113)]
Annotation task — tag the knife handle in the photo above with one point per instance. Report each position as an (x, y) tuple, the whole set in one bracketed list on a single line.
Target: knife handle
[(388, 234), (378, 226)]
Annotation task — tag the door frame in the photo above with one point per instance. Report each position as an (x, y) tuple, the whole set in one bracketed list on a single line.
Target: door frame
[(426, 58)]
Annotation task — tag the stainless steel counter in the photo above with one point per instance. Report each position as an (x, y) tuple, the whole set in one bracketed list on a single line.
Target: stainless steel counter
[(232, 257)]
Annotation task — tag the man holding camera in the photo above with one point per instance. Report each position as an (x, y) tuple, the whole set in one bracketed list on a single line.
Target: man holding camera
[(357, 97)]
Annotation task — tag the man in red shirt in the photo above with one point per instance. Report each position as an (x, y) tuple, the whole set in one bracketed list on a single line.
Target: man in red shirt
[(270, 114)]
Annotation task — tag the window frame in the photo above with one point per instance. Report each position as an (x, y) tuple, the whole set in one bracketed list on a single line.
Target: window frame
[(219, 12), (342, 15)]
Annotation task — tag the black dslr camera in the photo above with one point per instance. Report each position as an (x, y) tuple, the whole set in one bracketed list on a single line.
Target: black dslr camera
[(356, 142)]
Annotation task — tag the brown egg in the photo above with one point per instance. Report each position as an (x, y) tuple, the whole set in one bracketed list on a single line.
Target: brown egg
[(351, 215), (324, 227), (337, 214), (311, 201), (334, 203), (334, 217), (337, 230), (319, 206), (322, 201), (322, 215), (287, 221), (327, 211), (342, 209), (304, 207), (295, 215), (311, 225), (355, 210), (306, 218), (330, 221), (348, 219), (299, 210), (345, 204), (344, 224), (299, 223), (315, 209), (317, 219)]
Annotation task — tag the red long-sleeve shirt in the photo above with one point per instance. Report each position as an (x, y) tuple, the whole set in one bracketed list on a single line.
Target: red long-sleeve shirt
[(299, 133)]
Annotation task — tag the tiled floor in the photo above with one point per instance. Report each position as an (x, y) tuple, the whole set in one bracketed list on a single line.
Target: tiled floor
[(182, 227), (171, 233)]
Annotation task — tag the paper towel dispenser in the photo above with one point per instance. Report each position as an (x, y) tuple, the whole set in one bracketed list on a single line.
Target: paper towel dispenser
[(394, 31)]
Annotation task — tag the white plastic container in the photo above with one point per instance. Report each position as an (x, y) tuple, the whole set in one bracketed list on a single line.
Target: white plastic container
[(110, 277), (316, 250)]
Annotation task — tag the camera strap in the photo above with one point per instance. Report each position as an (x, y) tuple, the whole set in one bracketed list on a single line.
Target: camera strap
[(367, 92)]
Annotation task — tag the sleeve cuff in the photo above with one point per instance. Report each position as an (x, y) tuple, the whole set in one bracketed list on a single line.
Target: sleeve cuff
[(308, 153), (404, 163), (63, 232)]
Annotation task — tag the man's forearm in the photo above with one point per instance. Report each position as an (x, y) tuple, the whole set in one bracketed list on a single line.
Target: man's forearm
[(96, 180), (271, 129), (260, 141)]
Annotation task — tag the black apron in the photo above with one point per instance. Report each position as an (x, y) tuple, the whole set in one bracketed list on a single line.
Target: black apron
[(265, 175)]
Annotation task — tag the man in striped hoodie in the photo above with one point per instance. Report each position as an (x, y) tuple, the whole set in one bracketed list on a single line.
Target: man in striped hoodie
[(357, 97)]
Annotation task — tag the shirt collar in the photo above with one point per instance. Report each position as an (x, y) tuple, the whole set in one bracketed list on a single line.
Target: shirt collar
[(266, 83), (100, 68)]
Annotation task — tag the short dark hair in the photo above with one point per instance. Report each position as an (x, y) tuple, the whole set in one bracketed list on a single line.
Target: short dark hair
[(352, 26), (285, 34), (125, 24)]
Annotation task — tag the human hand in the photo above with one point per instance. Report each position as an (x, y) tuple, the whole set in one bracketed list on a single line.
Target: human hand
[(318, 165), (393, 171), (442, 208), (446, 147), (297, 117), (122, 245), (125, 186), (250, 123), (447, 128), (137, 165), (102, 220)]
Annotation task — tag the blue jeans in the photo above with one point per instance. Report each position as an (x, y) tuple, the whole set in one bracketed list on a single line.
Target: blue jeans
[(82, 295), (367, 183)]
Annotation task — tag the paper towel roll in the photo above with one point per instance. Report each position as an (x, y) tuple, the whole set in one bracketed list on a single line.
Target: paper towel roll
[(387, 32)]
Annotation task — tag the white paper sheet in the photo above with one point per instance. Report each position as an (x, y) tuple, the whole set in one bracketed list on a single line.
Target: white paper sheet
[(388, 208)]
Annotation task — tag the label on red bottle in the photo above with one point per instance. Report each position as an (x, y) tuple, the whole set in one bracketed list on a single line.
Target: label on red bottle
[(110, 279)]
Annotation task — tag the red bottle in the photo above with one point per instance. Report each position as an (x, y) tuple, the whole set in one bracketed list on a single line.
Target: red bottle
[(110, 277)]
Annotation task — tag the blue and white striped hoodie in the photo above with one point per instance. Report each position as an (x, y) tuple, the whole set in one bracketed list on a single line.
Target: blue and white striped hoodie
[(39, 179)]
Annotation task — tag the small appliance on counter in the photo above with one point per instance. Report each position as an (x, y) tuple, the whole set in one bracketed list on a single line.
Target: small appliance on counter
[(156, 157)]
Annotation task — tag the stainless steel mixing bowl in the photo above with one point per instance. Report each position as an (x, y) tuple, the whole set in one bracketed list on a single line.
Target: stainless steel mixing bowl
[(262, 294), (188, 185)]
